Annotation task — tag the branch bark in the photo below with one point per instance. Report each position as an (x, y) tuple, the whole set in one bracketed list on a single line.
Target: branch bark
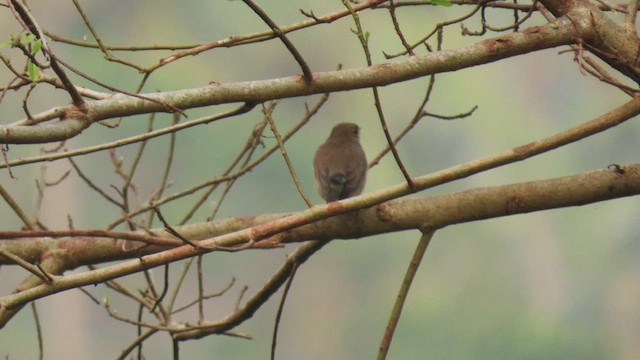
[(429, 213), (483, 52), (614, 43)]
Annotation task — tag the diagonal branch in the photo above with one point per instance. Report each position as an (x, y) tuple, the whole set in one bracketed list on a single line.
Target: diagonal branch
[(571, 192), (268, 115), (308, 76), (364, 42), (31, 24), (482, 52), (418, 254)]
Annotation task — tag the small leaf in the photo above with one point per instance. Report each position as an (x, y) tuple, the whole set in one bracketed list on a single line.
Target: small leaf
[(446, 3), (33, 70), (28, 39), (366, 37), (36, 46)]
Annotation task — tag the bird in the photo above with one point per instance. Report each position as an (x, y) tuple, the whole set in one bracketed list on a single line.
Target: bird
[(340, 164)]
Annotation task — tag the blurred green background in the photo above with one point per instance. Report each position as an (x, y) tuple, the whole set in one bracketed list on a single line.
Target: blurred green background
[(561, 284)]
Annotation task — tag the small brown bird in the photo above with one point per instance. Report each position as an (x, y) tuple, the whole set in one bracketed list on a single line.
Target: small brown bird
[(340, 164)]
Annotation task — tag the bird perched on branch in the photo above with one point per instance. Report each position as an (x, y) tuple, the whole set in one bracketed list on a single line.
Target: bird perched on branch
[(340, 164)]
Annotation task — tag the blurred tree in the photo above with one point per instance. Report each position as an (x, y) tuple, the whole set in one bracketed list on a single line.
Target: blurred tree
[(73, 93)]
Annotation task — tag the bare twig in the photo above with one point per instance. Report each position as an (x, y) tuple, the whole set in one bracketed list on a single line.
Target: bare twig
[(200, 298), (285, 292), (267, 111), (6, 160), (17, 209), (172, 231), (299, 256), (34, 269), (36, 320), (378, 104), (396, 25), (256, 233), (178, 286), (136, 343), (231, 176), (403, 292), (163, 293), (131, 140), (206, 297), (246, 151), (308, 75), (167, 169), (93, 186), (134, 236), (30, 23)]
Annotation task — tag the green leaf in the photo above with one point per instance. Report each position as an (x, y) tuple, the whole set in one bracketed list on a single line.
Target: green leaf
[(28, 39), (33, 70), (36, 46), (446, 3)]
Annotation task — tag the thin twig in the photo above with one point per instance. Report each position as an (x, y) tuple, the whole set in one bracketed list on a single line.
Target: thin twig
[(94, 33), (414, 121), (30, 23), (402, 293), (595, 69), (308, 75), (17, 209), (200, 298), (168, 107), (144, 301), (90, 296), (135, 343), (396, 25), (255, 233), (173, 231), (165, 288), (34, 269), (437, 29), (268, 111), (133, 236), (516, 23), (128, 176), (206, 297), (376, 96), (285, 292), (93, 186), (36, 320), (6, 160), (114, 314), (298, 257), (246, 107), (251, 143), (139, 329), (167, 169), (152, 292), (231, 176), (178, 286)]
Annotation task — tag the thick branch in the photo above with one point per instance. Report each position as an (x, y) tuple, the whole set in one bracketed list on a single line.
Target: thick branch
[(614, 43), (425, 213), (483, 52)]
